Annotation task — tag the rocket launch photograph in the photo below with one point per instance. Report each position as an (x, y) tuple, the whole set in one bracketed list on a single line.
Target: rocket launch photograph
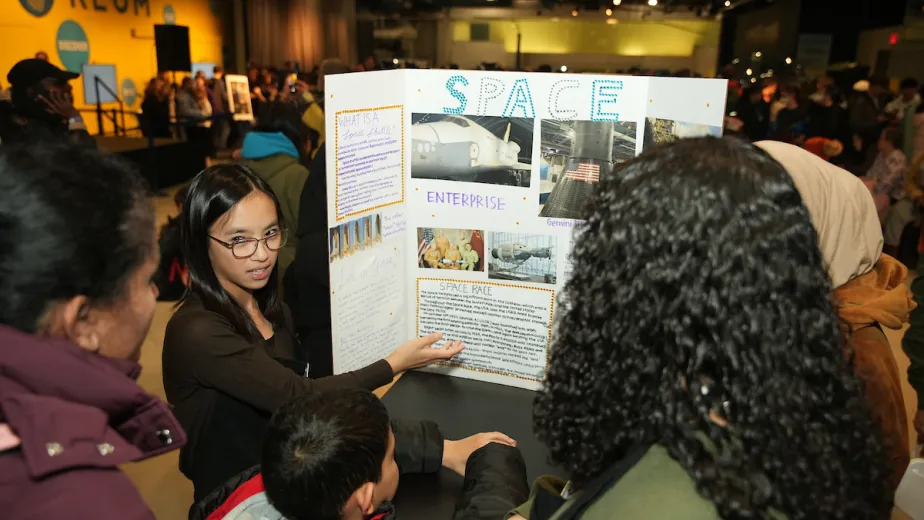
[(522, 257), (575, 156), (484, 149)]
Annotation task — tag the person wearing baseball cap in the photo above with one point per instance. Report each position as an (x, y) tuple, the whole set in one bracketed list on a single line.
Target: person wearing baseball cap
[(43, 104)]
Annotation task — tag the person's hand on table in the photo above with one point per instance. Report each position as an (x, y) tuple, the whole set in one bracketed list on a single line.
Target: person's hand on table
[(456, 453), (419, 352)]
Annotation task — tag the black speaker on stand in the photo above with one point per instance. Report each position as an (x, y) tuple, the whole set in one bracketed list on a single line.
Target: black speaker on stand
[(172, 44)]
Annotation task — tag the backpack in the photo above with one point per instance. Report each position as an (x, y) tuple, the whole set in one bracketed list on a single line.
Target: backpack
[(172, 275)]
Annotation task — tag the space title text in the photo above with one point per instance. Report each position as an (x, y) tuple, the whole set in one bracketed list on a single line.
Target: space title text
[(490, 93)]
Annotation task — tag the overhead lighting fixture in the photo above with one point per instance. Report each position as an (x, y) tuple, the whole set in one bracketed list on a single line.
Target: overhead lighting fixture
[(564, 68), (652, 3), (574, 13), (749, 72), (609, 12), (753, 80), (736, 61), (757, 54), (617, 2), (727, 3), (395, 61), (789, 61)]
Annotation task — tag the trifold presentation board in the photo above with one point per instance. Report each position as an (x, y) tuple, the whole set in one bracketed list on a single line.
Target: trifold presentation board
[(454, 196)]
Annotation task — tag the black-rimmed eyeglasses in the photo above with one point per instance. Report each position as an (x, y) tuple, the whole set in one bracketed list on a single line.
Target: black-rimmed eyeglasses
[(246, 247)]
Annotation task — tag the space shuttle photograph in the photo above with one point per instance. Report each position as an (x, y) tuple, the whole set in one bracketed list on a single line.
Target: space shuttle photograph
[(484, 149), (659, 131), (575, 156), (522, 257)]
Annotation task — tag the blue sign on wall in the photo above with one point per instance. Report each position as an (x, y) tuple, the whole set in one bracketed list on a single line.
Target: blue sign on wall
[(169, 15), (129, 92), (73, 46), (37, 7)]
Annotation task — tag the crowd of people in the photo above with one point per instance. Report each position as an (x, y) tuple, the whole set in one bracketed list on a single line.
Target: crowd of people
[(864, 128), (719, 351)]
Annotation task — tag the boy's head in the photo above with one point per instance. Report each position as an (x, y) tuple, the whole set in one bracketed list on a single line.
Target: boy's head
[(330, 456)]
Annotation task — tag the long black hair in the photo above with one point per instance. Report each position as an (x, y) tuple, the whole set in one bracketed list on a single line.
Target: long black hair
[(699, 297), (212, 193), (73, 222)]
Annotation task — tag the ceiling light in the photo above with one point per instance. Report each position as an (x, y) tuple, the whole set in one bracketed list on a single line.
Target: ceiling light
[(652, 3), (757, 54), (789, 61), (609, 12), (735, 61), (749, 72), (617, 2), (395, 61), (564, 68), (574, 13), (753, 80), (727, 3)]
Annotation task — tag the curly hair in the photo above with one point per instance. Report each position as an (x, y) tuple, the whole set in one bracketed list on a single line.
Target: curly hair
[(700, 315)]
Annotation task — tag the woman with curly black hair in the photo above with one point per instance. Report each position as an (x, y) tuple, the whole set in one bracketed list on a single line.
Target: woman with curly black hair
[(698, 367)]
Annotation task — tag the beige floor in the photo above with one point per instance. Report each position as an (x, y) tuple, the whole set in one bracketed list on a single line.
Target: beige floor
[(169, 494)]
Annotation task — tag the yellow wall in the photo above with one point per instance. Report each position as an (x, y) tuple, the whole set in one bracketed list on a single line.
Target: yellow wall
[(566, 36), (110, 37)]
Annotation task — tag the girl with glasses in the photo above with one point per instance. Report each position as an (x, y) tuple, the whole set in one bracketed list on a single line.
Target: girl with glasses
[(230, 357)]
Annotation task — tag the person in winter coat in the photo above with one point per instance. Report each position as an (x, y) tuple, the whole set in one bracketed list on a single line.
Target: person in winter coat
[(754, 114), (195, 111), (274, 150), (868, 286), (337, 455), (231, 357), (76, 303), (699, 368), (43, 106), (307, 282)]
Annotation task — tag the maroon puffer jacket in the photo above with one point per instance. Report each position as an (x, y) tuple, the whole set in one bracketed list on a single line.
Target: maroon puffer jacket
[(67, 419)]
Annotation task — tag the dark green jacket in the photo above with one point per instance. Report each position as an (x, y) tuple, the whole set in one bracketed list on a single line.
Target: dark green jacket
[(287, 177), (657, 487)]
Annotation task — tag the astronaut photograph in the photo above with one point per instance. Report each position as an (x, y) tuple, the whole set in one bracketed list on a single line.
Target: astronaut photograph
[(453, 249), (665, 130), (483, 149), (522, 257), (575, 155)]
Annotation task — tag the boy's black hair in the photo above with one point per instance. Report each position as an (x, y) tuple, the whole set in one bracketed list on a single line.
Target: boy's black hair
[(320, 448), (909, 83)]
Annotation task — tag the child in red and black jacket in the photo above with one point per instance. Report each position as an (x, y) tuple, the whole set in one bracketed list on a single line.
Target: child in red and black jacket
[(336, 455)]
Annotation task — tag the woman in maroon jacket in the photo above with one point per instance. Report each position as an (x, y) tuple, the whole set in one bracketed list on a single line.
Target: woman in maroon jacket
[(78, 252)]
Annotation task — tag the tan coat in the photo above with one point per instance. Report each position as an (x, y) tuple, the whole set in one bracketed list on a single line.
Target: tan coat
[(866, 304)]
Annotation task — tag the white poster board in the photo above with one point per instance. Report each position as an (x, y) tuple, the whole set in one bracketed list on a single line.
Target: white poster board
[(454, 196), (239, 103)]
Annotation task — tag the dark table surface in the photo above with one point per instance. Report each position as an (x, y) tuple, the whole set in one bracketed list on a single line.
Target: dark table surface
[(461, 407)]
